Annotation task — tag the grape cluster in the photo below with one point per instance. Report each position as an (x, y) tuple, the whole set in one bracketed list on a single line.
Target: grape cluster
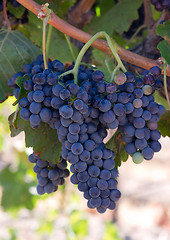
[(82, 113), (160, 5), (49, 175), (138, 114)]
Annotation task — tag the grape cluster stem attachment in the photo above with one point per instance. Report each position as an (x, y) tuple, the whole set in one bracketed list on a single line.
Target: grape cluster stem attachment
[(112, 46)]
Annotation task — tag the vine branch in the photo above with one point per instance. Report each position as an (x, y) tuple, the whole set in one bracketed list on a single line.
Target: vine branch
[(102, 45), (5, 15), (148, 14)]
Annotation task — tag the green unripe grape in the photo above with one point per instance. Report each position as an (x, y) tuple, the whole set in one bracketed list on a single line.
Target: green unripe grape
[(120, 78), (147, 90), (137, 157)]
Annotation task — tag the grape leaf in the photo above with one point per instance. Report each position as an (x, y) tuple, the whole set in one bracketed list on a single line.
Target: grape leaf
[(164, 30), (44, 140), (116, 144), (58, 47), (15, 51), (164, 48), (118, 18), (15, 187), (164, 124), (16, 11), (22, 93)]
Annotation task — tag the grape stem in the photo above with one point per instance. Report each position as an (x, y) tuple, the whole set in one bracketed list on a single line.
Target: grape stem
[(108, 67), (70, 47), (50, 29), (5, 15), (165, 84), (44, 14), (112, 46)]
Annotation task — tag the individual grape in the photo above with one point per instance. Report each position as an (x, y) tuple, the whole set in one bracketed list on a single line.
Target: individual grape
[(101, 209), (80, 166), (35, 120), (74, 179), (120, 79), (42, 181), (129, 87), (89, 145), (129, 130), (32, 158), (149, 79), (105, 174), (139, 133), (128, 108), (66, 111), (148, 153), (147, 89), (119, 109), (155, 145), (97, 76), (85, 155), (52, 79), (130, 148), (137, 157), (140, 143), (77, 148), (137, 103), (112, 183), (65, 94), (83, 187), (155, 135), (102, 184), (83, 176), (111, 88), (74, 128), (94, 171), (96, 154), (49, 188), (139, 122), (76, 117), (56, 89), (92, 181), (105, 202), (115, 194), (109, 164), (137, 112), (104, 105), (38, 96), (25, 114), (94, 192), (146, 115), (40, 190), (95, 202), (130, 76)]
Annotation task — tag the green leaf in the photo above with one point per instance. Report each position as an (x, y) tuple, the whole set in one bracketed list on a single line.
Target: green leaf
[(164, 123), (118, 18), (23, 93), (58, 45), (116, 144), (44, 139), (100, 59), (15, 190), (16, 11), (164, 48), (15, 51), (164, 29)]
